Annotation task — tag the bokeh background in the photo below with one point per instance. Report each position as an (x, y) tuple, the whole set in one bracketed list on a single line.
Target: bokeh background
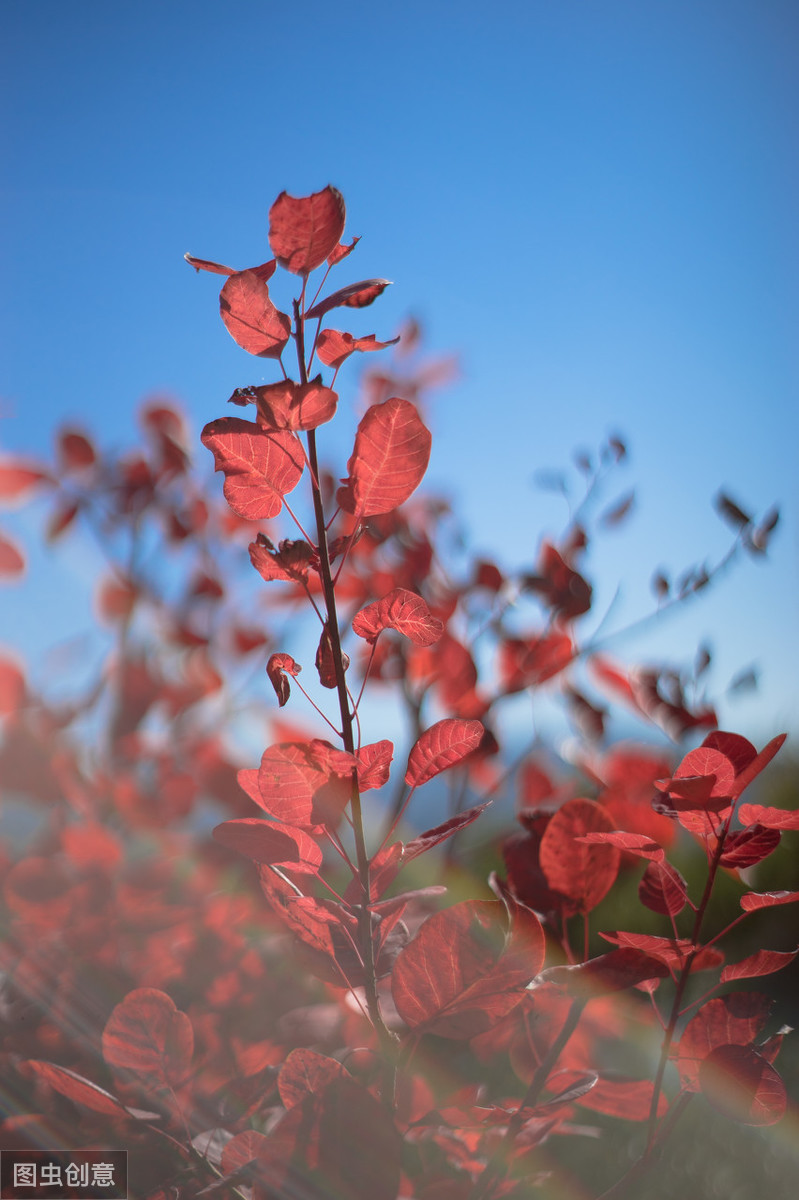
[(592, 205)]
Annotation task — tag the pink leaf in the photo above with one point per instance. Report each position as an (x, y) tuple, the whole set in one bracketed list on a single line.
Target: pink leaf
[(335, 347), (753, 900), (771, 818), (374, 763)]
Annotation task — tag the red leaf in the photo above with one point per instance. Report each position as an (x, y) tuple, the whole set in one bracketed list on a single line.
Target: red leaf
[(75, 451), (335, 347), (583, 873), (749, 846), (325, 660), (740, 1083), (612, 972), (442, 746), (288, 564), (242, 1149), (60, 520), (75, 1087), (205, 264), (374, 763), (632, 843), (293, 787), (355, 295), (392, 449), (771, 818), (464, 970), (306, 1073), (276, 669), (146, 1033), (270, 842), (289, 405), (12, 561), (629, 1099), (526, 662), (17, 480), (432, 837), (763, 962), (663, 889), (260, 468), (672, 951), (304, 230), (737, 1019), (401, 610), (12, 686), (251, 318), (753, 900), (341, 251)]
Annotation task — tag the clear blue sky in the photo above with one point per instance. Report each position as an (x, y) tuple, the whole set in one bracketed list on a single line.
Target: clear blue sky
[(594, 203)]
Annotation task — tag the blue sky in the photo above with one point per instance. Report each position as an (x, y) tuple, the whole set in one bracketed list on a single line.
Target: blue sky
[(592, 203)]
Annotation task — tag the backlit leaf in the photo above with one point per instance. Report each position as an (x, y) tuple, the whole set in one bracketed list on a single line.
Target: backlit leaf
[(632, 843), (392, 449), (748, 846), (735, 1019), (335, 347), (260, 468), (278, 667), (305, 1073), (740, 1083), (18, 480), (753, 900), (374, 764), (355, 295), (432, 837), (612, 972), (75, 1087), (401, 610), (663, 889), (251, 318), (465, 970), (289, 405), (270, 842), (304, 230), (768, 817), (147, 1033), (762, 962), (581, 872), (440, 747)]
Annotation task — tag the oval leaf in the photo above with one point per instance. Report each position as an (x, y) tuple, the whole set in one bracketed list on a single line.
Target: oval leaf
[(581, 872), (740, 1083), (251, 318), (392, 450), (146, 1033), (270, 842), (75, 1087), (304, 230), (440, 747)]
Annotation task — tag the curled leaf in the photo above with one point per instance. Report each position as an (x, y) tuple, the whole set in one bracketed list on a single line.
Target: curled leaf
[(401, 610)]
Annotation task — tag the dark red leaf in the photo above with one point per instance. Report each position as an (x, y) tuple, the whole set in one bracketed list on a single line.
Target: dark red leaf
[(465, 970), (325, 659), (75, 450), (304, 230), (617, 512), (740, 1083), (432, 837), (581, 872), (146, 1033), (758, 763), (270, 842), (335, 347), (260, 468), (401, 610), (527, 662), (735, 1019), (753, 900), (205, 264), (392, 449), (763, 962), (442, 746), (629, 1099), (663, 889), (631, 843), (277, 668), (732, 513), (612, 972), (748, 846), (306, 1073), (251, 318), (355, 295), (75, 1087), (672, 951)]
